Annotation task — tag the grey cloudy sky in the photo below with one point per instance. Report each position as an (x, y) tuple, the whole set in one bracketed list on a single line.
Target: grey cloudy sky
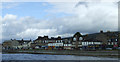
[(31, 19)]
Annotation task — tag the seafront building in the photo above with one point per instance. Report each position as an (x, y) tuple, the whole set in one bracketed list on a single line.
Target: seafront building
[(95, 41), (16, 44), (47, 43)]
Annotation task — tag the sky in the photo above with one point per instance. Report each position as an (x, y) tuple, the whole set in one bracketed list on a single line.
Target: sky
[(28, 20)]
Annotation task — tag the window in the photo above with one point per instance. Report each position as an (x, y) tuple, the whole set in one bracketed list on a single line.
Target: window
[(84, 43), (59, 41), (112, 43), (116, 39), (91, 42), (115, 43), (45, 41), (66, 45), (73, 42), (74, 39), (109, 43), (80, 38), (97, 42), (69, 42)]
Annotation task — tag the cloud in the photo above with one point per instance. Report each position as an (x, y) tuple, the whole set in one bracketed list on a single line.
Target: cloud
[(82, 3), (40, 0), (0, 9), (36, 32), (9, 17), (94, 18), (91, 19), (25, 27), (60, 0), (8, 5), (0, 29)]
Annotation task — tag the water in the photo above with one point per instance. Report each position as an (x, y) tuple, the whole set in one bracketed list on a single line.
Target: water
[(50, 57)]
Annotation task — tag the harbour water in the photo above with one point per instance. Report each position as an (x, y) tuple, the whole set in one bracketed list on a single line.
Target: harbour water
[(50, 57)]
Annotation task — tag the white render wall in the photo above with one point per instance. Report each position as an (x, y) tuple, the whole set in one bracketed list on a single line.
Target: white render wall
[(67, 44), (88, 43), (55, 44)]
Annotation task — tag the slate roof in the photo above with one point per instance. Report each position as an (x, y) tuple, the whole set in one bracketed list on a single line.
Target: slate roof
[(22, 41), (104, 34), (67, 38)]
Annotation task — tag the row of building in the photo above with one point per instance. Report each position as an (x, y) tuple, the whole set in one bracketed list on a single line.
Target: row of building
[(94, 41)]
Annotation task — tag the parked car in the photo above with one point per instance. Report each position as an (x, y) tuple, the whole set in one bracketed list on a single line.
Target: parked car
[(118, 48), (108, 48), (37, 47), (114, 48)]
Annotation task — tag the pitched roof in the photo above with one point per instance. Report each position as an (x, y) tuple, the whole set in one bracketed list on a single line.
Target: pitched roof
[(22, 41), (67, 38), (106, 35)]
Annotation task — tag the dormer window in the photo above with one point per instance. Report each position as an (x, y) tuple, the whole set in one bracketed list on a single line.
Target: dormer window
[(80, 38), (74, 39)]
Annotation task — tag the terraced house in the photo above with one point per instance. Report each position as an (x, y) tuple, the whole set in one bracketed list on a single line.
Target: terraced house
[(95, 41), (47, 43), (74, 42), (16, 44), (102, 40)]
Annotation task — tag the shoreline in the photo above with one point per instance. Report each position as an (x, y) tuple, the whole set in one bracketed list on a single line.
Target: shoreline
[(106, 56), (109, 54)]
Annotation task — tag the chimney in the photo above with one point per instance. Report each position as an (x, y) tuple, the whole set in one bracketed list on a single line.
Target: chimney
[(101, 31), (45, 37), (108, 31), (22, 39), (11, 39), (39, 37), (52, 37), (59, 37)]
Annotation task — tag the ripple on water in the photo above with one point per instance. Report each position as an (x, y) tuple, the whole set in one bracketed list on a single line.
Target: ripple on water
[(50, 57)]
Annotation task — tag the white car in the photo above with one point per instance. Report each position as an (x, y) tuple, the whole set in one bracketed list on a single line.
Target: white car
[(108, 48), (37, 47)]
